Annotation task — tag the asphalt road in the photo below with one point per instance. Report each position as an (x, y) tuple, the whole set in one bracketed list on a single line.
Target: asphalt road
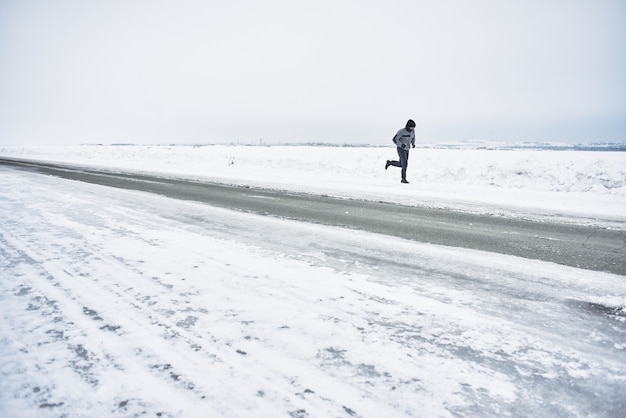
[(581, 246)]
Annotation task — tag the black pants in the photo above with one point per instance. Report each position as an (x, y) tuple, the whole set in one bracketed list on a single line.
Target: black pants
[(404, 161)]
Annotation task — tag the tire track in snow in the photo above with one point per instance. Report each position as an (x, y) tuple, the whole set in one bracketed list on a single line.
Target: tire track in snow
[(86, 303)]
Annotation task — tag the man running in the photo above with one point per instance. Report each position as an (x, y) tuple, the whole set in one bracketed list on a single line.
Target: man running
[(404, 140)]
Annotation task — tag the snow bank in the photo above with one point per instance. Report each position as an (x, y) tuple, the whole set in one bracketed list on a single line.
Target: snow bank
[(588, 182), (559, 171)]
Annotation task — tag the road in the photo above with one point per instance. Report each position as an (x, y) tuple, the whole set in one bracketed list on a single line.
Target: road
[(581, 246)]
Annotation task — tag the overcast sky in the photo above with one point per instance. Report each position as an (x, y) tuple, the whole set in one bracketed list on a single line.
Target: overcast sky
[(184, 71)]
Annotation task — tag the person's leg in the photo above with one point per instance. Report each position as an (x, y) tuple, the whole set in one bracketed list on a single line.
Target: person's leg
[(404, 161), (395, 163)]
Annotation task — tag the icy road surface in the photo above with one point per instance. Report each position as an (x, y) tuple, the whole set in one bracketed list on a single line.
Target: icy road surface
[(123, 303)]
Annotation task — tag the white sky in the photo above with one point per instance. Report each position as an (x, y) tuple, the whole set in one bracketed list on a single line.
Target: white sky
[(325, 70)]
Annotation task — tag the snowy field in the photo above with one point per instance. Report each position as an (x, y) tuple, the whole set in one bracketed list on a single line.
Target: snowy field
[(554, 184), (123, 303)]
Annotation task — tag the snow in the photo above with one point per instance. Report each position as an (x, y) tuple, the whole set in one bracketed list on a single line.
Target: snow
[(124, 303), (587, 185)]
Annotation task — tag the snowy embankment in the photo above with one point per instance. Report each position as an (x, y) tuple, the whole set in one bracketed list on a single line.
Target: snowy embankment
[(587, 185)]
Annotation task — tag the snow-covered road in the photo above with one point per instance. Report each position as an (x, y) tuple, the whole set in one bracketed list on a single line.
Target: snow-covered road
[(122, 303)]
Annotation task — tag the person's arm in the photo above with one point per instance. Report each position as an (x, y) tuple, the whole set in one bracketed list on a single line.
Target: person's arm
[(395, 139)]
